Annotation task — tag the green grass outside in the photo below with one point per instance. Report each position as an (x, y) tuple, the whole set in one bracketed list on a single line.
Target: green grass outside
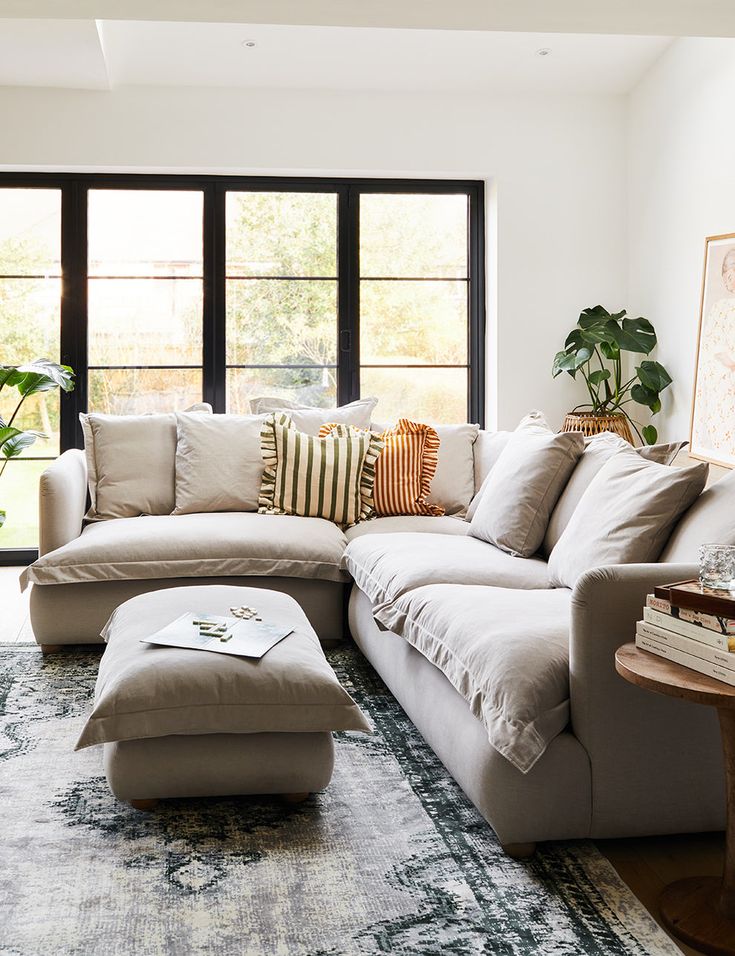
[(19, 498)]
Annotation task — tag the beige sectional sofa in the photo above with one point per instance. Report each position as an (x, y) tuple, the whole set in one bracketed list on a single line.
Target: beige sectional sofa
[(540, 732)]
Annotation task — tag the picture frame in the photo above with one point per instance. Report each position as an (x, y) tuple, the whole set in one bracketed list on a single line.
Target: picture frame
[(712, 428)]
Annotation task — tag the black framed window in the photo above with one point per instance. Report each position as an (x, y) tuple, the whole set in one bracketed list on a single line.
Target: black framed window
[(163, 290)]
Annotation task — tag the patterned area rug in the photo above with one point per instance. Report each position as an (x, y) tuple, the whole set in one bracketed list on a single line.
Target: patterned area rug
[(391, 858)]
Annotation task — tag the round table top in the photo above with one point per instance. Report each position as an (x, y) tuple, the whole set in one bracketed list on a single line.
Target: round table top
[(644, 669)]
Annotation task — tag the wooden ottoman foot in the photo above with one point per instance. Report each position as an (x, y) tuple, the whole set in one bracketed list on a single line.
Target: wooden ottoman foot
[(295, 797), (47, 649), (519, 851), (144, 805)]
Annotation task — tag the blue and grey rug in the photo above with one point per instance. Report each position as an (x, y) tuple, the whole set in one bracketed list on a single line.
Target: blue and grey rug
[(391, 858)]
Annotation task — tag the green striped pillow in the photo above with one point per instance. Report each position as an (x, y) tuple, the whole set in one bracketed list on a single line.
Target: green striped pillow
[(327, 477)]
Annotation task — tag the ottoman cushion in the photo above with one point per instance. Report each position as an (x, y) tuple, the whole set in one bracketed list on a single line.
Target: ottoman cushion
[(145, 691)]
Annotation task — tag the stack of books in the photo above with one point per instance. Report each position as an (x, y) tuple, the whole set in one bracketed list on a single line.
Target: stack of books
[(693, 626)]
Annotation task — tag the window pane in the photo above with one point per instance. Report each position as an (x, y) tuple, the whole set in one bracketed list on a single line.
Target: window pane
[(281, 322), (281, 234), (413, 235), (145, 322), (137, 391), (424, 395), (30, 317), (19, 498), (40, 413), (143, 232), (407, 323), (30, 232), (305, 386)]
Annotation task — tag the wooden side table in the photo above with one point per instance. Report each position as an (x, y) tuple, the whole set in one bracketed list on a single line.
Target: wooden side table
[(699, 910)]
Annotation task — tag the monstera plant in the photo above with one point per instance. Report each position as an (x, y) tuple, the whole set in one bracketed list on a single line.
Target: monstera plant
[(26, 380), (595, 350)]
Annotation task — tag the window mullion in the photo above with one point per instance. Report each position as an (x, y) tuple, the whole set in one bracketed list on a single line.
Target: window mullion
[(74, 312), (213, 318), (348, 257)]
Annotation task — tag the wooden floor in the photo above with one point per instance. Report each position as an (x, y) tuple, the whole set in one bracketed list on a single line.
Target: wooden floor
[(646, 865)]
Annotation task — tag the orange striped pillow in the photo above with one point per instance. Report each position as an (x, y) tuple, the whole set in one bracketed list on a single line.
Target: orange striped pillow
[(405, 469)]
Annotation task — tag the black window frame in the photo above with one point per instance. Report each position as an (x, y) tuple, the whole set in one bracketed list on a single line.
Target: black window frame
[(74, 265)]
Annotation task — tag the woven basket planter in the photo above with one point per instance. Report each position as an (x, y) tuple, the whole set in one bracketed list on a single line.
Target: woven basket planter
[(590, 424)]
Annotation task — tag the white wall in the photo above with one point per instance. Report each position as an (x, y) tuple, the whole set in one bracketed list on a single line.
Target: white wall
[(681, 189), (555, 168)]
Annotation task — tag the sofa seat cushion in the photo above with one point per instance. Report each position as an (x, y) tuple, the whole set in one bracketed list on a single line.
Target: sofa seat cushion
[(385, 566), (505, 651), (196, 546), (390, 524)]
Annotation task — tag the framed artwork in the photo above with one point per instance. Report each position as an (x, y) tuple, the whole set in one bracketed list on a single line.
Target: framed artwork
[(712, 434)]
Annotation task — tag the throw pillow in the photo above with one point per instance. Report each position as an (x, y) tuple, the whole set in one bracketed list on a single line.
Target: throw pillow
[(405, 470), (131, 463), (523, 487), (219, 466), (711, 518), (453, 484), (625, 516), (597, 450), (309, 419), (319, 477)]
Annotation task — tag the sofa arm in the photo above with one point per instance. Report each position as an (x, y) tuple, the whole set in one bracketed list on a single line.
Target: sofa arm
[(654, 759), (62, 500)]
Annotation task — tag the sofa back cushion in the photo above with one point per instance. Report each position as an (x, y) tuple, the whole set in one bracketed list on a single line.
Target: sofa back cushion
[(710, 520), (597, 451), (131, 463), (219, 466), (487, 450), (523, 487), (309, 419), (625, 516)]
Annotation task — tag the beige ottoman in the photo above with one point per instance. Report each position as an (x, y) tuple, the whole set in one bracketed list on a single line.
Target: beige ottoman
[(185, 723)]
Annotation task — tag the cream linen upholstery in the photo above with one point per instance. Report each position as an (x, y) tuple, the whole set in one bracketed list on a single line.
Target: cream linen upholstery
[(597, 451), (62, 500), (309, 419), (196, 546), (131, 463), (202, 765), (219, 466), (487, 450), (625, 516), (390, 524), (144, 691), (711, 519), (505, 651), (524, 486), (385, 566)]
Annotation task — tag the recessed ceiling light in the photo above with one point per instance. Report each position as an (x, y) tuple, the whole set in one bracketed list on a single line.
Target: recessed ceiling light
[(544, 51), (249, 43)]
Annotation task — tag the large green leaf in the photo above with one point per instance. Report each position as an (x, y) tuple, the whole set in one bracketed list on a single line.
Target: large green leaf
[(599, 375), (9, 375), (634, 335), (653, 376), (645, 396), (43, 375), (594, 316), (7, 432), (610, 350), (570, 361), (15, 444)]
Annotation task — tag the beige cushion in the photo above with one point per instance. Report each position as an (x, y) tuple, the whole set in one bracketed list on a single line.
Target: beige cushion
[(524, 486), (310, 420), (625, 516), (385, 566), (487, 449), (390, 524), (144, 691), (198, 545), (710, 520), (506, 652), (131, 463), (597, 451), (219, 466)]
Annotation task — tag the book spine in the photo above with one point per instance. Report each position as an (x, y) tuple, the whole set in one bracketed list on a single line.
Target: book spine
[(723, 625), (696, 648), (687, 660), (685, 628)]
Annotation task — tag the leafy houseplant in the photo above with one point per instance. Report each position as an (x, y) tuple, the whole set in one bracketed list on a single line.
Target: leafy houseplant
[(38, 376), (595, 348)]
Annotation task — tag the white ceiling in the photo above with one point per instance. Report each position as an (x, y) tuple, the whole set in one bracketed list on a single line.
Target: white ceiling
[(110, 54), (703, 18)]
